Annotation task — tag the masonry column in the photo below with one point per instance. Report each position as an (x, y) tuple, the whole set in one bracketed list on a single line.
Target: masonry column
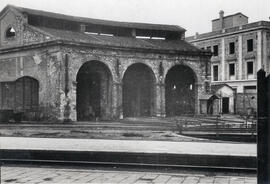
[(120, 100), (223, 72), (114, 100), (117, 104), (158, 100), (240, 56), (67, 93), (265, 63), (72, 101), (198, 90), (259, 50), (162, 100)]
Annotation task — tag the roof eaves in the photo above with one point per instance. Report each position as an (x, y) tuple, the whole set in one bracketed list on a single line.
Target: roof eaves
[(76, 43), (7, 8), (215, 34)]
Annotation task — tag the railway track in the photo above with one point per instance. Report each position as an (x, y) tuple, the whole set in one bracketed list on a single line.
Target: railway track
[(126, 166), (232, 164)]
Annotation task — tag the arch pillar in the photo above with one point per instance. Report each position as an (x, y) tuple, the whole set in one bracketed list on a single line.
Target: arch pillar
[(160, 99), (117, 101), (198, 90), (72, 103)]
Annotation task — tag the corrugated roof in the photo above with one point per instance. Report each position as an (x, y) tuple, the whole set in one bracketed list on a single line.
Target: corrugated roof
[(135, 25), (118, 41)]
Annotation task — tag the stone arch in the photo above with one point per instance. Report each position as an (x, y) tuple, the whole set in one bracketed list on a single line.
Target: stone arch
[(126, 66), (94, 91), (138, 91), (167, 69), (180, 90), (76, 68), (34, 75)]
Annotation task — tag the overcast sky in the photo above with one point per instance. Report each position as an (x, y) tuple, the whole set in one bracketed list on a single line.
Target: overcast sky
[(193, 15)]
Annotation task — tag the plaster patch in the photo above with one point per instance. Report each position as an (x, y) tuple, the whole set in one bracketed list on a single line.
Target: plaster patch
[(37, 59)]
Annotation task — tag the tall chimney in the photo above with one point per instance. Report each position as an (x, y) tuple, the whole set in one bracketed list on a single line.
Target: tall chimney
[(221, 18)]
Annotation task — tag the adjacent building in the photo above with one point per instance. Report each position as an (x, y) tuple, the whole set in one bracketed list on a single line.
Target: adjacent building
[(61, 67), (239, 50)]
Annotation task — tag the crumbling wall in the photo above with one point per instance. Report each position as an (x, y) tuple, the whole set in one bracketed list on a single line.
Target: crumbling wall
[(42, 65), (117, 63)]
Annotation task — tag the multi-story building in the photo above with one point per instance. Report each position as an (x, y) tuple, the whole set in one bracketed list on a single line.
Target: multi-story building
[(239, 50)]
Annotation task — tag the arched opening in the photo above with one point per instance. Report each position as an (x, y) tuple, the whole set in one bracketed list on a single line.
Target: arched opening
[(138, 91), (26, 94), (180, 91), (10, 32), (94, 81)]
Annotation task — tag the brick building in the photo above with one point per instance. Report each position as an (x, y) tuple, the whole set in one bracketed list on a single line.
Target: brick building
[(239, 50), (73, 68)]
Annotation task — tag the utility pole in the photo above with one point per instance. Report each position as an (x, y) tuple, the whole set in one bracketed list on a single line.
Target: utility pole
[(263, 128)]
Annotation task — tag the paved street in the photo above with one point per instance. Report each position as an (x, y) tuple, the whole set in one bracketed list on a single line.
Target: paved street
[(24, 174)]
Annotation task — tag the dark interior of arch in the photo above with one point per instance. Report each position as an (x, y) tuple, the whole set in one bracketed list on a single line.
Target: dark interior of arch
[(26, 94), (179, 91), (138, 92), (21, 97), (93, 91)]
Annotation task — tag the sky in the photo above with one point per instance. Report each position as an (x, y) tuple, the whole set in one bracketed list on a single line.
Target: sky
[(193, 15)]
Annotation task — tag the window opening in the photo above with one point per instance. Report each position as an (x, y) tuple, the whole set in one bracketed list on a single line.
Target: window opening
[(10, 32)]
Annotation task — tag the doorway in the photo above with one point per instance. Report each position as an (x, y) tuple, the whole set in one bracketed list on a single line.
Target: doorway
[(138, 91), (225, 105), (180, 91), (93, 91)]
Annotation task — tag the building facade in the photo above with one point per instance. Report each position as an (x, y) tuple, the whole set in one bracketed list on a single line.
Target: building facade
[(55, 66), (239, 50)]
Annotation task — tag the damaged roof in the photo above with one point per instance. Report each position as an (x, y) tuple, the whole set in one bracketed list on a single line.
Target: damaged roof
[(76, 36), (134, 25), (118, 41)]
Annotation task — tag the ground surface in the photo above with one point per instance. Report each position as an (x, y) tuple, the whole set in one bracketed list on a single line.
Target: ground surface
[(134, 146), (38, 174), (131, 129)]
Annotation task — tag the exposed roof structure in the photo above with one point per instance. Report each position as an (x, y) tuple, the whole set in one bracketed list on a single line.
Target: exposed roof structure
[(118, 41), (68, 29), (135, 25)]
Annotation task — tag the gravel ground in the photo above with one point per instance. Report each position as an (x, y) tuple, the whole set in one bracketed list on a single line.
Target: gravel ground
[(88, 133)]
